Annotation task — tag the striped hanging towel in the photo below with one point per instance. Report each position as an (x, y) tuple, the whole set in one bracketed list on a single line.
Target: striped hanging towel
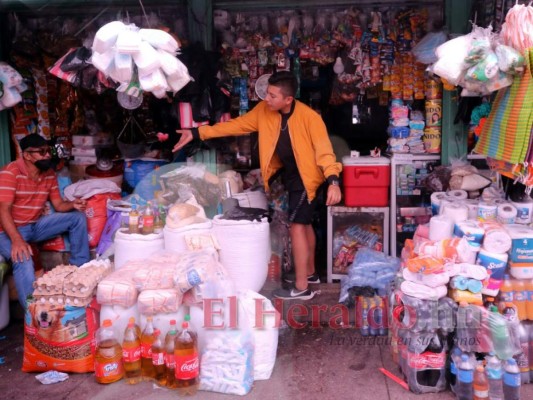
[(505, 136)]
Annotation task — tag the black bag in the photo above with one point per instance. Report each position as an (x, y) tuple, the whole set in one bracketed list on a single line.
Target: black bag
[(76, 60)]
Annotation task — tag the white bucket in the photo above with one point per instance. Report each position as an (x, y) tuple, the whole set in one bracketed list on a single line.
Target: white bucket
[(175, 237), (134, 246), (4, 306), (253, 199), (244, 251)]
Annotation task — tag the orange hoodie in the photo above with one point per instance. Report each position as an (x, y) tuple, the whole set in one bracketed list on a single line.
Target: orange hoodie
[(310, 142)]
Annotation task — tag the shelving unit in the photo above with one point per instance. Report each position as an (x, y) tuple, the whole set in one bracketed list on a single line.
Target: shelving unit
[(350, 228), (410, 204)]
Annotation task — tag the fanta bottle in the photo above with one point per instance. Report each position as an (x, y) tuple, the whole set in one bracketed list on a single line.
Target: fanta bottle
[(529, 302), (108, 366), (520, 298), (506, 290)]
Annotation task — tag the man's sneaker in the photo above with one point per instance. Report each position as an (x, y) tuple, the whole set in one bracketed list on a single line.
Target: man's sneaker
[(291, 278), (293, 293)]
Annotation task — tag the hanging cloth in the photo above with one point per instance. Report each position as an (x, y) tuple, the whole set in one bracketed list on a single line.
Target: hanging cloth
[(506, 134)]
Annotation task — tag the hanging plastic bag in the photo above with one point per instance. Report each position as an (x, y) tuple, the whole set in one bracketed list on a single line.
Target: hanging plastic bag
[(424, 51)]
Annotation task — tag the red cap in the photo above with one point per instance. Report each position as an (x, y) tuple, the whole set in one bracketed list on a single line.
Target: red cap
[(107, 323)]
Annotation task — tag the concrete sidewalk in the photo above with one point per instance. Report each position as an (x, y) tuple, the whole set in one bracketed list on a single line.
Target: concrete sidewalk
[(312, 363)]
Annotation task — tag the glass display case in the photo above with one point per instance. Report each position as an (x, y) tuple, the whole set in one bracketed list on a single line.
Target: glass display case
[(350, 228)]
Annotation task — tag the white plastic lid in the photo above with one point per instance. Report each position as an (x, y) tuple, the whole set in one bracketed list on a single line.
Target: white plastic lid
[(365, 160)]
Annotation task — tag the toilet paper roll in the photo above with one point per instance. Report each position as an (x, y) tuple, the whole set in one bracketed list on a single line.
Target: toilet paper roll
[(467, 251), (506, 213), (470, 230), (500, 201), (473, 206), (495, 265), (524, 211), (440, 227), (436, 199), (457, 212), (497, 240), (457, 194), (443, 203), (487, 211)]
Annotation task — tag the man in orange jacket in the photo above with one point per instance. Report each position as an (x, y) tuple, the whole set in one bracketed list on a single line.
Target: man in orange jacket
[(292, 138)]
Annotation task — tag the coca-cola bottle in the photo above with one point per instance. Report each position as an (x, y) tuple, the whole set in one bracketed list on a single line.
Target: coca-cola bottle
[(147, 338), (170, 362), (187, 362), (158, 359), (131, 353)]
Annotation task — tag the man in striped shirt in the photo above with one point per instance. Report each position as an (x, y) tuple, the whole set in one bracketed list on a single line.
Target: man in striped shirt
[(25, 186)]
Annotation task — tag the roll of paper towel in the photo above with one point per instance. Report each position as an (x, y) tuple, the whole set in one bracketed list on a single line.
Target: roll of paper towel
[(524, 211), (495, 264), (487, 211), (457, 212), (473, 206), (470, 230), (440, 227), (522, 243), (506, 213), (457, 194), (497, 240), (436, 199)]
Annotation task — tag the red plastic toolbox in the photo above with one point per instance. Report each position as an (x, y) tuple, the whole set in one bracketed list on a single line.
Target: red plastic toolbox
[(366, 181)]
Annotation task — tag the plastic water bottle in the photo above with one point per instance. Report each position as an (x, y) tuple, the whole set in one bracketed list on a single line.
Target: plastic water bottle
[(511, 380), (494, 376), (455, 358), (464, 389), (522, 359)]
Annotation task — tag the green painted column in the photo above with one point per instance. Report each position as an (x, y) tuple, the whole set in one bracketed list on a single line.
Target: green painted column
[(201, 22), (454, 136), (5, 147)]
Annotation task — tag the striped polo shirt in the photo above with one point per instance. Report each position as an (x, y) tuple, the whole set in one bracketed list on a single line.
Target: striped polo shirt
[(27, 196)]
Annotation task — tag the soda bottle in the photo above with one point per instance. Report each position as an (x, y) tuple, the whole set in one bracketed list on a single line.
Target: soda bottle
[(464, 388), (147, 338), (108, 357), (162, 215), (489, 301), (511, 380), (169, 355), (520, 297), (529, 302), (158, 359), (158, 224), (131, 353), (133, 220), (494, 376), (436, 352), (522, 359), (148, 219), (499, 332), (530, 335), (481, 384), (364, 306), (191, 331), (506, 289), (187, 362)]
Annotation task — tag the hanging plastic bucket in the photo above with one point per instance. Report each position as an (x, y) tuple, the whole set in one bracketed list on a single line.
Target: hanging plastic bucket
[(134, 246), (244, 250), (253, 199)]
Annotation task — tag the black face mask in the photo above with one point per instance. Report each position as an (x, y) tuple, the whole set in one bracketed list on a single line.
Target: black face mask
[(43, 165)]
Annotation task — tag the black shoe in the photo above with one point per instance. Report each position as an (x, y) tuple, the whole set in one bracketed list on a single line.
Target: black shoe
[(291, 278), (293, 293)]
